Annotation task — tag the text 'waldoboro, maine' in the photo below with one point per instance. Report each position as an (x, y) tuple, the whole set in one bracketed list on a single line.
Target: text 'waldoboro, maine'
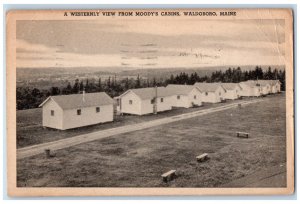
[(150, 13)]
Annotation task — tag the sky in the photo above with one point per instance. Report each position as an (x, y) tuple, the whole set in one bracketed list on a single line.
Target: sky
[(148, 43)]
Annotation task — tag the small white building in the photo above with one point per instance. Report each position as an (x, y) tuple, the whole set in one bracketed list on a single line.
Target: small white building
[(232, 90), (185, 96), (211, 92), (265, 86), (250, 88), (270, 86), (145, 101), (276, 86), (77, 110)]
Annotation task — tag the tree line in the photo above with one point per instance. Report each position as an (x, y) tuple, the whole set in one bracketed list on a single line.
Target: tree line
[(32, 97)]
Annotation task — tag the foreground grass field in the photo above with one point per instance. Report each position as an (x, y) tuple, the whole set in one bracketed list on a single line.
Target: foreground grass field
[(138, 159)]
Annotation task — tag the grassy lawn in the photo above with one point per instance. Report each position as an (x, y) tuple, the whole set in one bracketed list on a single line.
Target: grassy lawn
[(31, 132), (138, 159)]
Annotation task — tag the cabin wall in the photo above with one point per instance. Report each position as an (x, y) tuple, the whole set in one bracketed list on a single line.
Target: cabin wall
[(198, 100), (88, 116), (238, 91), (54, 121), (278, 87), (250, 91), (210, 97), (182, 101), (256, 91), (265, 90), (231, 94), (134, 108), (245, 90), (220, 94), (273, 89), (165, 105), (147, 107)]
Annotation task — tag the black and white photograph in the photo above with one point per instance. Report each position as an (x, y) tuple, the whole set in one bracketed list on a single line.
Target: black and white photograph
[(160, 99)]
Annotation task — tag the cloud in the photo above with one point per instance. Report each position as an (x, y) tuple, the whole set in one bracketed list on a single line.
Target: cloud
[(166, 57), (37, 55), (151, 43), (26, 47), (92, 37)]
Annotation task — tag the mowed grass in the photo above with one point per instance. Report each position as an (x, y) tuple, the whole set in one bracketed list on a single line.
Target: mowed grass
[(31, 132), (138, 159)]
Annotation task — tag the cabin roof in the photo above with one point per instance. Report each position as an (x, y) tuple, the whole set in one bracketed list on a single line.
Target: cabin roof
[(265, 82), (251, 84), (179, 89), (81, 100), (149, 93), (208, 87), (261, 82), (229, 86)]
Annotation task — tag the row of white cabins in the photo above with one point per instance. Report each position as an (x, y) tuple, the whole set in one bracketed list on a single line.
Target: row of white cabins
[(77, 110)]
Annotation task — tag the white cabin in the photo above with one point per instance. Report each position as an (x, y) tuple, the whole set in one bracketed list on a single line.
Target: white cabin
[(77, 110), (276, 86), (270, 86), (211, 92), (145, 101), (232, 90), (185, 96), (265, 88), (250, 88)]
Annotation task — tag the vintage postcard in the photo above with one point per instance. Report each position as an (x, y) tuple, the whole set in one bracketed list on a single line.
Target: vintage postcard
[(150, 102)]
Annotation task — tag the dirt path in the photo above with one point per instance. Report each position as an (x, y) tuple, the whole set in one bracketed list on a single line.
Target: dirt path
[(68, 142)]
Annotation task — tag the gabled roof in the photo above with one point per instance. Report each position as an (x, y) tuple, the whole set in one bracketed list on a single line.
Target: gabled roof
[(262, 82), (229, 86), (81, 100), (276, 81), (251, 84), (179, 89), (208, 87), (265, 82), (149, 93)]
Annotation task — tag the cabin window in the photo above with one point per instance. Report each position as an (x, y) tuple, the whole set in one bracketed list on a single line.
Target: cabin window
[(178, 97), (130, 102), (97, 109), (195, 97), (78, 111), (152, 101), (219, 93), (162, 100), (206, 93), (52, 112)]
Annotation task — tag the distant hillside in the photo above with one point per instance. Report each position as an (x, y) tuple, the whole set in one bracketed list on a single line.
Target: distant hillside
[(32, 74), (203, 71)]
